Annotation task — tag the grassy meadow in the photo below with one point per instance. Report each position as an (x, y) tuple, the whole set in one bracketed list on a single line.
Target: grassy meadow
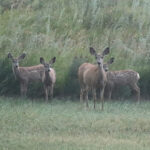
[(65, 125)]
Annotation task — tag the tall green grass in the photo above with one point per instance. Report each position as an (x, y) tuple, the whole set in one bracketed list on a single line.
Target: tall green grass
[(66, 29)]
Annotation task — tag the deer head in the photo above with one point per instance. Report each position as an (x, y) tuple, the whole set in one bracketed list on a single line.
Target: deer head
[(100, 56), (106, 65), (47, 66), (15, 61)]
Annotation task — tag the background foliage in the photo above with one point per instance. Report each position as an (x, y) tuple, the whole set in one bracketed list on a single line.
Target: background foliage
[(66, 29)]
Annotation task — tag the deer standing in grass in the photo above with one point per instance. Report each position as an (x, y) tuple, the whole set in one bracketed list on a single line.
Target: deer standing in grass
[(49, 77), (81, 70), (25, 75), (92, 77), (122, 78)]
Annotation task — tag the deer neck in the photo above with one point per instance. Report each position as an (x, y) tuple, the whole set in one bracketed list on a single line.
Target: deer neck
[(101, 73), (101, 70), (47, 78), (16, 72)]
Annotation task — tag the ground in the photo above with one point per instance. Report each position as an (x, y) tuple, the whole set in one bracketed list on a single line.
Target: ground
[(66, 125)]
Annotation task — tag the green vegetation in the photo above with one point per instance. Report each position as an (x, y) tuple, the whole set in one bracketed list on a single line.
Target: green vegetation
[(66, 29), (64, 124)]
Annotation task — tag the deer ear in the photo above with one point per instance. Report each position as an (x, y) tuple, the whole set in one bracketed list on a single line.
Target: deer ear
[(92, 51), (111, 60), (22, 56), (10, 56), (106, 51), (52, 60), (42, 60)]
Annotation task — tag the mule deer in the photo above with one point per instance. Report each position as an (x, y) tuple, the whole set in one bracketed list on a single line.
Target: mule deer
[(92, 77), (81, 70), (122, 78), (49, 77)]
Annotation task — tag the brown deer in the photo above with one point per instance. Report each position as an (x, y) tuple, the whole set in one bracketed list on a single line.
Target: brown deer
[(92, 77), (81, 70), (25, 75), (122, 78), (49, 77)]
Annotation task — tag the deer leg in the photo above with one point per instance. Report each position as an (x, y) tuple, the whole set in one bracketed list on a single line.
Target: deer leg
[(46, 93), (86, 97), (138, 95), (137, 90), (102, 97), (23, 88), (51, 92), (83, 90), (81, 95), (109, 94), (94, 96)]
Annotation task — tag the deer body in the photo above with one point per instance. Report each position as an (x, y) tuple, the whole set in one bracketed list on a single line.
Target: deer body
[(123, 78), (93, 76), (25, 74), (81, 71), (49, 80), (49, 77), (28, 74)]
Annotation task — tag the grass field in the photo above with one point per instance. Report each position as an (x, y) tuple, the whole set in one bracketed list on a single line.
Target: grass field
[(65, 125)]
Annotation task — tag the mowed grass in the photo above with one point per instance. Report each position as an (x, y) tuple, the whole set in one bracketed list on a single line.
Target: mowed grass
[(66, 125)]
